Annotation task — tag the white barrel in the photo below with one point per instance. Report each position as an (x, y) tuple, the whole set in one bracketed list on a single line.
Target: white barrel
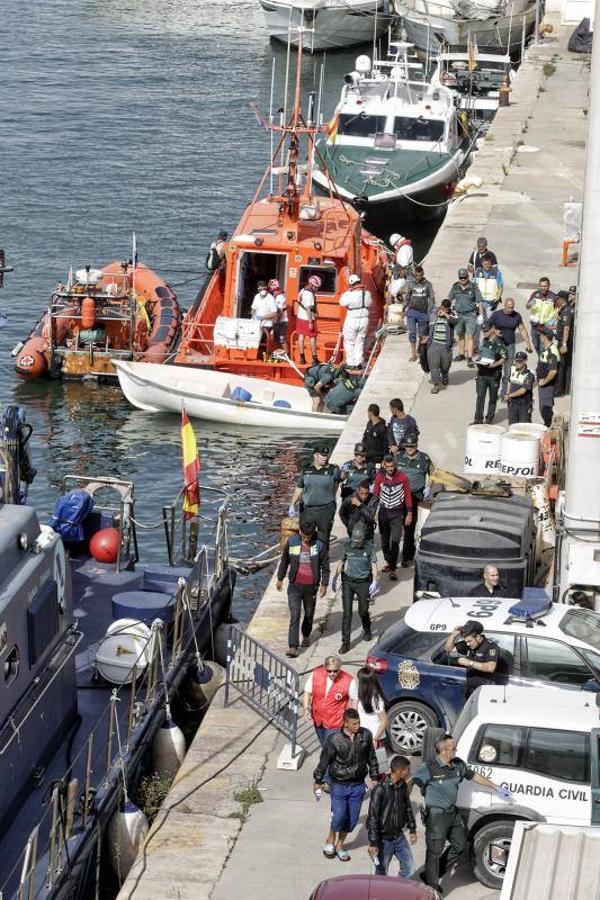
[(394, 313), (482, 449), (520, 454)]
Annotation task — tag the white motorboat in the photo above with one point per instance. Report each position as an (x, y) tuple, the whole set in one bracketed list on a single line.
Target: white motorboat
[(432, 25), (331, 23), (474, 80), (223, 397), (393, 138)]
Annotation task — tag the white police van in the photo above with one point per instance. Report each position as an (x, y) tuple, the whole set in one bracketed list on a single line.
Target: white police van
[(543, 745)]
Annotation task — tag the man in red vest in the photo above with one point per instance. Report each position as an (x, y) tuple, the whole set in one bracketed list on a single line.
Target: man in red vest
[(328, 692)]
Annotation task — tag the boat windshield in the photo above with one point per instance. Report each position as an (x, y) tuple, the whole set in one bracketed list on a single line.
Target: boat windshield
[(360, 125), (411, 129)]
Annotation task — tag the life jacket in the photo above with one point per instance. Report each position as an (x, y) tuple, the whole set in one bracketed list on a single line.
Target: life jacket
[(329, 710)]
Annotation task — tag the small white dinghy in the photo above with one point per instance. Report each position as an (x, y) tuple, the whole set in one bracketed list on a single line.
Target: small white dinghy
[(223, 397)]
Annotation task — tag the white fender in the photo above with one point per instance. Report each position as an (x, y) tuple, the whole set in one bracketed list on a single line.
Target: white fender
[(168, 749), (127, 832)]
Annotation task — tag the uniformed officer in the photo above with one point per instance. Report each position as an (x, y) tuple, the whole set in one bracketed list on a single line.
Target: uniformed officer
[(439, 780), (519, 395), (565, 328), (356, 470), (359, 579), (546, 371), (318, 380), (489, 373), (345, 392), (478, 655), (316, 489), (417, 467)]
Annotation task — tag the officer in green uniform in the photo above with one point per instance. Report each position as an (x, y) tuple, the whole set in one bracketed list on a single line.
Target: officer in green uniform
[(439, 781), (417, 467), (356, 470), (359, 579), (519, 395), (318, 380), (316, 489), (345, 392), (489, 373), (546, 371)]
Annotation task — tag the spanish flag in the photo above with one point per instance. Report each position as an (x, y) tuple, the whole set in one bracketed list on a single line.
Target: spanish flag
[(332, 128), (191, 468)]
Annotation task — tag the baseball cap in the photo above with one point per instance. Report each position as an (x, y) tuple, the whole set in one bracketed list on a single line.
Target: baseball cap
[(462, 273), (359, 448), (573, 289), (471, 627), (521, 356), (322, 449), (564, 295), (486, 327), (411, 440), (389, 457)]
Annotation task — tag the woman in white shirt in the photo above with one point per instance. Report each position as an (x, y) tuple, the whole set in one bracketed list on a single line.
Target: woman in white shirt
[(264, 308), (371, 708)]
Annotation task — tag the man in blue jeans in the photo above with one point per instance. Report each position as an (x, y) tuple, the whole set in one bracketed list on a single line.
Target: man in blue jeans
[(419, 306), (390, 812), (350, 755)]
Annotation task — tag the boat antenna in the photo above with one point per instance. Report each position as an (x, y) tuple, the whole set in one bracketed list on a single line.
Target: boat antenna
[(271, 119), (285, 90), (320, 96), (133, 260), (376, 4)]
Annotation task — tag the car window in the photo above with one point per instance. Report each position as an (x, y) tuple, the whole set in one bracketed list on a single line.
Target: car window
[(553, 661), (506, 642), (500, 745), (583, 624), (412, 643), (563, 755), (593, 659)]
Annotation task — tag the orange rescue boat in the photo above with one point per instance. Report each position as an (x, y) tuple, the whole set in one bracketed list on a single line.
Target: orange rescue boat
[(288, 235), (123, 311)]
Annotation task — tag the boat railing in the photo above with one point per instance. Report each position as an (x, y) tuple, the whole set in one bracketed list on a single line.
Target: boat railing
[(198, 336), (79, 800)]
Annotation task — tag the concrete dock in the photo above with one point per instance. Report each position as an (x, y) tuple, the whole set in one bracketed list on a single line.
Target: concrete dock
[(204, 844)]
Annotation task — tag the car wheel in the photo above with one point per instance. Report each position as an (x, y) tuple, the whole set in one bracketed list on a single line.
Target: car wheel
[(407, 723), (491, 847)]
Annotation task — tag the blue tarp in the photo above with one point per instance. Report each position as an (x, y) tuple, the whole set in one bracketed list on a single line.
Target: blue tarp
[(69, 514)]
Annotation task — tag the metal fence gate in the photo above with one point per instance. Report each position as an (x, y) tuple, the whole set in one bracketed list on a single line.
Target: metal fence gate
[(266, 682)]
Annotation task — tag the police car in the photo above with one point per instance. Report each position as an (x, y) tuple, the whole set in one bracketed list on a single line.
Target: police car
[(543, 745), (421, 686)]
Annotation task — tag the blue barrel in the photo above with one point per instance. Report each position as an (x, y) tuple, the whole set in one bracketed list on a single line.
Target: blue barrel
[(240, 393)]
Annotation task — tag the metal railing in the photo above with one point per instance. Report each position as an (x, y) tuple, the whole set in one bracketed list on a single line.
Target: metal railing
[(266, 682)]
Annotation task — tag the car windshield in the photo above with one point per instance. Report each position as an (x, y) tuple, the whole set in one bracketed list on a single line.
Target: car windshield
[(583, 624)]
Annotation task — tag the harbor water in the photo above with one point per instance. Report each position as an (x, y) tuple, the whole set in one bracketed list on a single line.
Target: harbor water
[(123, 116)]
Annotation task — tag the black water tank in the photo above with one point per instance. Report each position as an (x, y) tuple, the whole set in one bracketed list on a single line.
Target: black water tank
[(464, 532)]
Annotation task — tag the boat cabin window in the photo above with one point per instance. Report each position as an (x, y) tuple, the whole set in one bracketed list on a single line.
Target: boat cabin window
[(407, 128), (255, 266), (360, 125), (328, 278)]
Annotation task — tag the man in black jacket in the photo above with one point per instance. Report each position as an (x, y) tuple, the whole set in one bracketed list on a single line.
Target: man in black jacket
[(305, 556), (350, 754), (360, 507), (390, 811)]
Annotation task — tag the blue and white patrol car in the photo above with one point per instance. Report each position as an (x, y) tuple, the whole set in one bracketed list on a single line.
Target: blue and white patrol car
[(421, 686), (543, 745)]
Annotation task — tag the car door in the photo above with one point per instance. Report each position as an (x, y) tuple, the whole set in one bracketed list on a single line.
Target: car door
[(548, 661), (595, 775)]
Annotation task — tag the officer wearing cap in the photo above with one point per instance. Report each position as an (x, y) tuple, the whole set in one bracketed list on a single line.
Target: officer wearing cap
[(346, 391), (477, 654), (417, 467), (565, 328), (466, 298), (546, 371), (316, 489), (318, 380), (489, 373), (519, 395), (356, 470)]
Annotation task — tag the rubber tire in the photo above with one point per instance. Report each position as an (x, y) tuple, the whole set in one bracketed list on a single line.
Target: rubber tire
[(500, 830), (426, 714)]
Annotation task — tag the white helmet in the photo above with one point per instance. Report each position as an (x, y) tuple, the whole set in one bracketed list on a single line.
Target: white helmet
[(395, 238), (354, 279)]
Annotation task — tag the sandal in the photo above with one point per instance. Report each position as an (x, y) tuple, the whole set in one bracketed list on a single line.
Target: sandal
[(329, 851), (343, 855)]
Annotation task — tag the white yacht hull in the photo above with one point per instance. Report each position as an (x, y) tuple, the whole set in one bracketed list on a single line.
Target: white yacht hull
[(429, 36), (206, 395), (332, 26)]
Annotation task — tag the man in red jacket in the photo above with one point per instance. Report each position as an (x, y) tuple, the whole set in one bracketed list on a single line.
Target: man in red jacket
[(395, 511), (328, 692)]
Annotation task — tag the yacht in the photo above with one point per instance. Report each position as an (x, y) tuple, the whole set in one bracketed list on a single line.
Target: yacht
[(333, 24), (393, 139), (474, 79)]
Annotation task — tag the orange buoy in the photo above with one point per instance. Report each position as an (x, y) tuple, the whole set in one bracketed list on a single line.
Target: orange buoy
[(88, 312), (104, 546)]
